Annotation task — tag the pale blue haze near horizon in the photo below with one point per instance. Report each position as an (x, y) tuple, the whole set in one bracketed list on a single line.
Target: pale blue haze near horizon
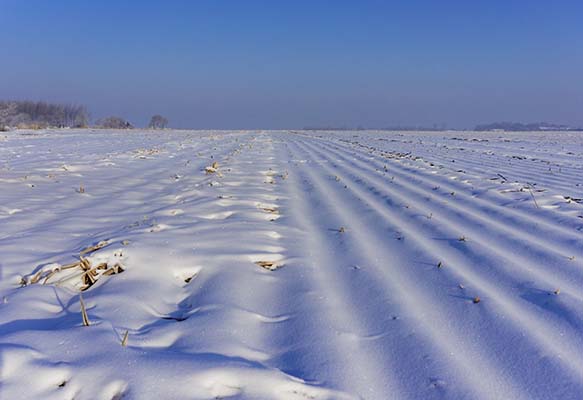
[(275, 64)]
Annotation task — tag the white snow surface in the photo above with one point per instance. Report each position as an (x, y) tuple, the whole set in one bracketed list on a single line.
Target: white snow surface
[(395, 265)]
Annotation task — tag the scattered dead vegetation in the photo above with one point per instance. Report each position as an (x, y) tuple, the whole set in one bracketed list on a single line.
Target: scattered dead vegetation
[(176, 318), (269, 265), (573, 199), (188, 279), (145, 153), (211, 169), (83, 269)]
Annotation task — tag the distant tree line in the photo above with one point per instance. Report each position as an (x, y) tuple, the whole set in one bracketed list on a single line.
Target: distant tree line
[(41, 114), (434, 127), (518, 127)]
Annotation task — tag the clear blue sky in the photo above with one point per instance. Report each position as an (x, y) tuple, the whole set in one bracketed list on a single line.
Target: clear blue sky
[(290, 64)]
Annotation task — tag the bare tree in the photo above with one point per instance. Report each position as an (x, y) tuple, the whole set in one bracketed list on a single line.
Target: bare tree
[(158, 122)]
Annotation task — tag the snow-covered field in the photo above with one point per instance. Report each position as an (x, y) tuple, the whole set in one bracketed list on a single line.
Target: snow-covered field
[(345, 265)]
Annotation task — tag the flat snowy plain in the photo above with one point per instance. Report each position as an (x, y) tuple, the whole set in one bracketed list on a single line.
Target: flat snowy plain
[(322, 265)]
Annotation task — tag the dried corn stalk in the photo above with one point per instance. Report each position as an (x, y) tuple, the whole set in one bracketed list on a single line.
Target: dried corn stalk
[(269, 265), (91, 249), (124, 341), (214, 167), (84, 315), (83, 270)]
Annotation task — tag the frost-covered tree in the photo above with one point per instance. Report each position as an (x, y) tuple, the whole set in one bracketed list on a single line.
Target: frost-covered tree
[(115, 123), (158, 122), (28, 114), (7, 112), (76, 116)]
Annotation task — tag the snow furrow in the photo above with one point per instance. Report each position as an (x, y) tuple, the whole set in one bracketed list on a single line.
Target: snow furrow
[(290, 265), (485, 383), (525, 252), (518, 224), (544, 334)]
